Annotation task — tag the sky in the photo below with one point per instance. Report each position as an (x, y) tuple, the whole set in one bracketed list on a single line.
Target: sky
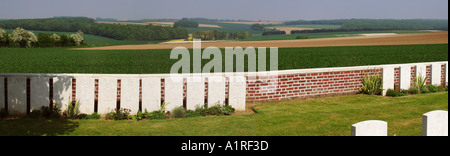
[(273, 10)]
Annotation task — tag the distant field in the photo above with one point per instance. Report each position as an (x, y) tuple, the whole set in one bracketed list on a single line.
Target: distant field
[(250, 23), (62, 60), (325, 35), (344, 40), (159, 23), (317, 26), (228, 27), (203, 25)]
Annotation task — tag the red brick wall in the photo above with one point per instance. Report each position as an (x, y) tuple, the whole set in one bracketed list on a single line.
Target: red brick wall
[(305, 85)]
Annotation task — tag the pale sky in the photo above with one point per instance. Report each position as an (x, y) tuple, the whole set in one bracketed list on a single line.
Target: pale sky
[(277, 10)]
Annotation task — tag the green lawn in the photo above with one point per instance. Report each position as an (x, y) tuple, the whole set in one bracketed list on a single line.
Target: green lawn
[(314, 117), (63, 60)]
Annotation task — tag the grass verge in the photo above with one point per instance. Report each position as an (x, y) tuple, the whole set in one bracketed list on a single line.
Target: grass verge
[(313, 117)]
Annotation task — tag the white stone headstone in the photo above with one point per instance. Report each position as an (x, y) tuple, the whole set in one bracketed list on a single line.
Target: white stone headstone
[(129, 97), (107, 95), (62, 91), (39, 92), (195, 92), (151, 94), (446, 73), (421, 70), (17, 94), (405, 77), (173, 92), (237, 93), (388, 79), (216, 90), (2, 92), (85, 93), (435, 123), (370, 128), (436, 71)]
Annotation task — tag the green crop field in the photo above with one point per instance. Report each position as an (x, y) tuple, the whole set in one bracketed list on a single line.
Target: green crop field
[(63, 60)]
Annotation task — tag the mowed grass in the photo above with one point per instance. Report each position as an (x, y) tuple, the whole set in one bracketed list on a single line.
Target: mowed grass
[(314, 117), (63, 60)]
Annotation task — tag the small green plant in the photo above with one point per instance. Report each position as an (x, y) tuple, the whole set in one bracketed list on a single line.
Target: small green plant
[(220, 110), (372, 85), (443, 88), (393, 93), (178, 112), (89, 117), (72, 110), (406, 92), (51, 112), (199, 111), (413, 91), (228, 110), (163, 107), (215, 110), (119, 114), (432, 88), (157, 115), (3, 113), (139, 116), (34, 114), (425, 90), (419, 83)]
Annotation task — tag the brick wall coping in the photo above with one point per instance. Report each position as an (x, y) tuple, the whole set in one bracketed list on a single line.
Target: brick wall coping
[(268, 73)]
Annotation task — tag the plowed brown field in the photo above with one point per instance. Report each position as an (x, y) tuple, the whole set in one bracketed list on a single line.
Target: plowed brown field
[(403, 39)]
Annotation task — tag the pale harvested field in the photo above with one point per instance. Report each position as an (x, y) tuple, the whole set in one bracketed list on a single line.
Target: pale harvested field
[(200, 25), (402, 39), (289, 29), (162, 24), (250, 23)]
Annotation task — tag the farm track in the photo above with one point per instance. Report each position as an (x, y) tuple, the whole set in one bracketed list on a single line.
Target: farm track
[(402, 39)]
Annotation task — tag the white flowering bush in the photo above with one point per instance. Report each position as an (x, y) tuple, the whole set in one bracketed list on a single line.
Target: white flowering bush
[(55, 37), (2, 35), (78, 38), (5, 38), (23, 38)]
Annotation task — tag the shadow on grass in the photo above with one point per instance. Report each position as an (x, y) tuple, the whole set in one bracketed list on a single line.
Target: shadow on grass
[(36, 127)]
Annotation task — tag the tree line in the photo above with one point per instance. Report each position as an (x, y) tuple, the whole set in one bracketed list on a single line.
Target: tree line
[(219, 35), (185, 23), (89, 26), (27, 39), (273, 32), (378, 24), (397, 24)]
